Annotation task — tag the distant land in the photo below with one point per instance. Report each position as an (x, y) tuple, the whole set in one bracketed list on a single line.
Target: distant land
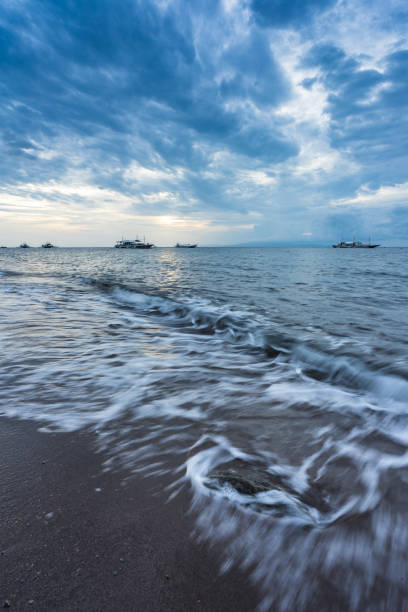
[(270, 243)]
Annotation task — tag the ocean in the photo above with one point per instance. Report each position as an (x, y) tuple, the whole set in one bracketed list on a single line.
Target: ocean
[(270, 385)]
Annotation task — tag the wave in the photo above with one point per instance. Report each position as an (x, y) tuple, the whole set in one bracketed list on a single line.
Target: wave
[(10, 273), (252, 330), (350, 373), (201, 315)]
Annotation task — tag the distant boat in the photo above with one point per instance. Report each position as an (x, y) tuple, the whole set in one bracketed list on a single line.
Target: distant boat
[(133, 244), (3, 247), (185, 245), (47, 245), (24, 245), (354, 245)]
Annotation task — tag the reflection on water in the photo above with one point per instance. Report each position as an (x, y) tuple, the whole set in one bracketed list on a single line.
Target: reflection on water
[(269, 383)]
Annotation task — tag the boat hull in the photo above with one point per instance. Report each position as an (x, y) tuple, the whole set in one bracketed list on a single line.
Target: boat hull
[(143, 246), (354, 245)]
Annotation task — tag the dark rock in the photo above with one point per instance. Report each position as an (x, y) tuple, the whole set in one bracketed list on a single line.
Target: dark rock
[(252, 479), (245, 484)]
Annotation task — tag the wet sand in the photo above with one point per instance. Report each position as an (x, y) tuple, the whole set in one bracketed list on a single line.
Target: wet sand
[(75, 538)]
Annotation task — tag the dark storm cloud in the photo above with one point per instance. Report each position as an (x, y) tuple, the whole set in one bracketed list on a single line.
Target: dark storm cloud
[(257, 142), (256, 75), (282, 14), (368, 109), (128, 69)]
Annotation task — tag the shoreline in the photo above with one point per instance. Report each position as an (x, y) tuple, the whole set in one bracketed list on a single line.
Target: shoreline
[(75, 537)]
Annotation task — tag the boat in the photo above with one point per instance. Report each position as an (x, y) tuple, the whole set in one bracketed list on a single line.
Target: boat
[(3, 247), (47, 245), (133, 244), (24, 245), (186, 245), (354, 245)]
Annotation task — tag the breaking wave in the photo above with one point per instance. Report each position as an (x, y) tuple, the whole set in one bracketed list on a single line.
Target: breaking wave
[(247, 328)]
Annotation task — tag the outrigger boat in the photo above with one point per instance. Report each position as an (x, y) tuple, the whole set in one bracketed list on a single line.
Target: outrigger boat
[(354, 245)]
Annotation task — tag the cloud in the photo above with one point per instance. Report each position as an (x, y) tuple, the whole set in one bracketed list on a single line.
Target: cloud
[(135, 172), (367, 110), (383, 197), (252, 73), (282, 14), (68, 207), (112, 66)]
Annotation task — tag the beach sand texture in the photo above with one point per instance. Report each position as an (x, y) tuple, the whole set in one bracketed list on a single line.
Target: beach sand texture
[(66, 545)]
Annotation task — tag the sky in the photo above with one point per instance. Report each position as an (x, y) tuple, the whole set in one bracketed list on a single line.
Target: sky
[(217, 122)]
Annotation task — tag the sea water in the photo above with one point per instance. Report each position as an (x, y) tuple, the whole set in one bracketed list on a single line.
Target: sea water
[(270, 385)]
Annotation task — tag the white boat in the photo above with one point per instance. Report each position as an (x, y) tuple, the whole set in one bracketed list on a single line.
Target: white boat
[(185, 245), (133, 244)]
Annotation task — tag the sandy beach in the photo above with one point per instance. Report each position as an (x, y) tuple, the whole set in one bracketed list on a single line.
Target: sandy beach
[(76, 538)]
